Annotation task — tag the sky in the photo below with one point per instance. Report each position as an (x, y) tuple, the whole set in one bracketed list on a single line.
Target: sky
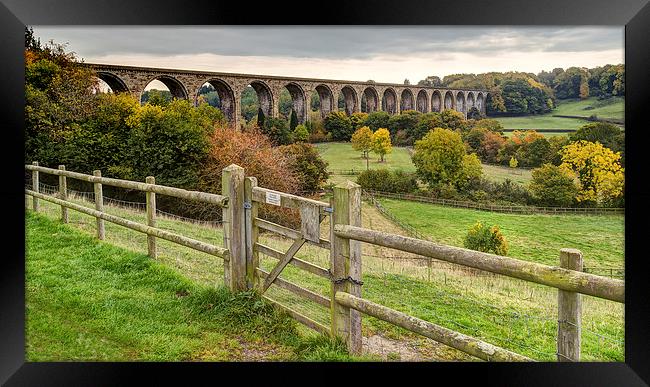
[(383, 54)]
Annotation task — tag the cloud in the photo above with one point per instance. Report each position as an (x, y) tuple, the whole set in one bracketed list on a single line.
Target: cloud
[(328, 42), (385, 54)]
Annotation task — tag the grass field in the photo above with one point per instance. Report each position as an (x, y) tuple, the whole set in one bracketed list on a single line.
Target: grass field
[(514, 314), (611, 108), (537, 238), (92, 301), (341, 156)]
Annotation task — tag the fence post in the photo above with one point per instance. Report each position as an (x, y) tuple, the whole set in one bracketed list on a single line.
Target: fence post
[(35, 186), (252, 258), (232, 185), (151, 217), (99, 205), (345, 264), (569, 311), (63, 194)]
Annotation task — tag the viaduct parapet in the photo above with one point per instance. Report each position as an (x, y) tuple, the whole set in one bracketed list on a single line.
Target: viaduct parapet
[(389, 97)]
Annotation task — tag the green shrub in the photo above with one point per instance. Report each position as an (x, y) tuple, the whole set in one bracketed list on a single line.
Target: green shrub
[(553, 186), (339, 125), (486, 239), (388, 181), (300, 133)]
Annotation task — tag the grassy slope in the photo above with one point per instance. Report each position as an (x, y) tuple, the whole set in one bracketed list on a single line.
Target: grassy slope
[(89, 300), (611, 108), (536, 238), (514, 314)]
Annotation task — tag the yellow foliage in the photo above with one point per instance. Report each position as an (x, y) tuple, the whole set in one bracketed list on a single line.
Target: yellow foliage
[(381, 143), (597, 169), (362, 140)]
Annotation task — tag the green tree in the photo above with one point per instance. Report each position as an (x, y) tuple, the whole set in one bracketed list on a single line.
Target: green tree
[(339, 125), (405, 121), (157, 97), (293, 122), (300, 133), (603, 132), (553, 186), (307, 164), (427, 122), (277, 129), (377, 120), (440, 159), (358, 120)]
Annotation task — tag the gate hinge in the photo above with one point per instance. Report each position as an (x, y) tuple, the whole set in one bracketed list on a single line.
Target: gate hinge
[(328, 209)]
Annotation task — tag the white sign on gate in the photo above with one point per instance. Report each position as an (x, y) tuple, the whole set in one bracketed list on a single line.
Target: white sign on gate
[(273, 198)]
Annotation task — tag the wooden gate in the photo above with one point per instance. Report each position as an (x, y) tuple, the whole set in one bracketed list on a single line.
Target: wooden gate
[(340, 273)]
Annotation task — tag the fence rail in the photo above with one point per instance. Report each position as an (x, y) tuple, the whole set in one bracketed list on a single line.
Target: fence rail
[(243, 272), (61, 198), (498, 208)]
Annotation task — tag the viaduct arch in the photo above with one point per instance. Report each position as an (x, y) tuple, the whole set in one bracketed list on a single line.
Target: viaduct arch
[(392, 98)]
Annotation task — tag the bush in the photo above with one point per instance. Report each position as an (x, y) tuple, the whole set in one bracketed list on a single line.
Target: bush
[(388, 181), (277, 129), (358, 120), (308, 166), (300, 133), (486, 239), (377, 120), (338, 124), (553, 186)]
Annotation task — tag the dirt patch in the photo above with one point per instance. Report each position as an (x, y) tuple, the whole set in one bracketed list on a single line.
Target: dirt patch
[(409, 349)]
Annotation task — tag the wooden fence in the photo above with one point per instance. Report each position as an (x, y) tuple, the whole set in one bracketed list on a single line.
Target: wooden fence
[(241, 200), (498, 208)]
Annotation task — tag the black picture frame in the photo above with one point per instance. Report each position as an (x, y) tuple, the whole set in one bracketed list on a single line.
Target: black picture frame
[(633, 14)]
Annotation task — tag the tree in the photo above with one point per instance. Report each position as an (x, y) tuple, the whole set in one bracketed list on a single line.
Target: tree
[(157, 97), (440, 159), (377, 120), (307, 165), (300, 133), (603, 132), (490, 145), (431, 81), (427, 122), (277, 129), (513, 162), (405, 121), (598, 169), (260, 118), (362, 140), (451, 119), (407, 82), (293, 121), (358, 120), (339, 125), (381, 144), (553, 186)]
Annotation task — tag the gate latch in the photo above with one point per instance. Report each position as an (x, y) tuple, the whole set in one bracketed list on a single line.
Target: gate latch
[(247, 205), (328, 209)]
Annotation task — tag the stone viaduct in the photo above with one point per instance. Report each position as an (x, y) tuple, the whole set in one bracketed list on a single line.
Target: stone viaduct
[(392, 98)]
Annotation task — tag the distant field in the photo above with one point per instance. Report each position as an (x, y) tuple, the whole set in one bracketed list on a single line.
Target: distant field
[(611, 108), (501, 173), (341, 156)]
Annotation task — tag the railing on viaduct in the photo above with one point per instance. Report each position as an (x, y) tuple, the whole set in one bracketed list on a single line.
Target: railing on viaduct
[(241, 199), (392, 98)]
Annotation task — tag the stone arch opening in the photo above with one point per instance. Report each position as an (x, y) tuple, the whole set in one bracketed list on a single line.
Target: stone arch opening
[(350, 100), (369, 100), (325, 100), (460, 102), (471, 101), (114, 83), (298, 102), (219, 94), (449, 100), (407, 102), (422, 102), (389, 101), (480, 101), (436, 101), (162, 83), (256, 98)]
